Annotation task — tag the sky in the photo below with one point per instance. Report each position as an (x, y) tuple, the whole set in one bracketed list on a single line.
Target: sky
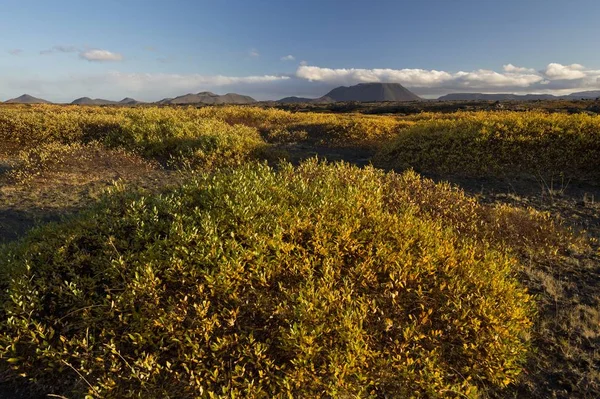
[(145, 49)]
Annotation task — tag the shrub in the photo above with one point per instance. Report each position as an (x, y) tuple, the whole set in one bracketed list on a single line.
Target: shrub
[(320, 281), (499, 144), (166, 134)]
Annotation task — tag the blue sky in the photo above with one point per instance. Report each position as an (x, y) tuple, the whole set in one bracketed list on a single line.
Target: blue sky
[(148, 50)]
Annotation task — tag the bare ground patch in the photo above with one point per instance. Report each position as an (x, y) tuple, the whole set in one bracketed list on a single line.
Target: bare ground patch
[(68, 184)]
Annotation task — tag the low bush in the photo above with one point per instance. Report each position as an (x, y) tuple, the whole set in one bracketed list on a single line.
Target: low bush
[(166, 134), (316, 281), (499, 144)]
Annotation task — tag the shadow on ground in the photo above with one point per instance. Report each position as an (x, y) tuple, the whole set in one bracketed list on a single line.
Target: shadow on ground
[(15, 223)]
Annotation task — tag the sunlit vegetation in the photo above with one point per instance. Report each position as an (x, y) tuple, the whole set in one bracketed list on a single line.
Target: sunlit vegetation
[(499, 144), (246, 276), (320, 280)]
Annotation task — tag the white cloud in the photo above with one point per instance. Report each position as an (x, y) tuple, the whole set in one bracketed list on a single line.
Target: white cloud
[(484, 78), (417, 77), (15, 51), (253, 53), (60, 49), (288, 58), (566, 72), (510, 68), (98, 55), (413, 77), (93, 55), (303, 63)]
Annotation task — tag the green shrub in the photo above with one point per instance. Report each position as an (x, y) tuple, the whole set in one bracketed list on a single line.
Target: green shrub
[(320, 281)]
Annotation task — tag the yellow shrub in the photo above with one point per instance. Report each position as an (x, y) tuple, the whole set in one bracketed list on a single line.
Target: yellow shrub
[(499, 144), (320, 281)]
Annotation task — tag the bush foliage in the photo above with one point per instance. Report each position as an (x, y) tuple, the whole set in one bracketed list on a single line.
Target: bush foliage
[(499, 144), (316, 281), (167, 134)]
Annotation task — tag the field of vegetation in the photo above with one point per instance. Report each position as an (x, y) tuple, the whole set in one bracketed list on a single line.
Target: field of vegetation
[(242, 252)]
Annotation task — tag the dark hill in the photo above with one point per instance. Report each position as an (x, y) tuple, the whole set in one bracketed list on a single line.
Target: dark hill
[(95, 101), (369, 92), (129, 101), (304, 100), (27, 99), (207, 97)]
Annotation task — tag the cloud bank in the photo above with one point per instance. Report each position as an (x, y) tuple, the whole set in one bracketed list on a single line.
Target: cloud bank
[(480, 78), (554, 78)]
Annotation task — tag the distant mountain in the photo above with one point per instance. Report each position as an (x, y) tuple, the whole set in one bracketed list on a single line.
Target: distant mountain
[(518, 97), (494, 97), (295, 100), (95, 101), (304, 100), (373, 92), (206, 97), (591, 94), (27, 99), (164, 101), (129, 101)]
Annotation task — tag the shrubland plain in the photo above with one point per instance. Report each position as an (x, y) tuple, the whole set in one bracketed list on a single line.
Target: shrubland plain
[(248, 252)]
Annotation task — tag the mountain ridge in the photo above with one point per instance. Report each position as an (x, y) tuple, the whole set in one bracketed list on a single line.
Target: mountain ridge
[(590, 94), (362, 92)]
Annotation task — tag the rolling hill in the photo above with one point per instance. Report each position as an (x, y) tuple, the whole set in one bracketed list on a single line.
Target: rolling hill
[(90, 101), (207, 97), (304, 100), (130, 101), (27, 99)]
